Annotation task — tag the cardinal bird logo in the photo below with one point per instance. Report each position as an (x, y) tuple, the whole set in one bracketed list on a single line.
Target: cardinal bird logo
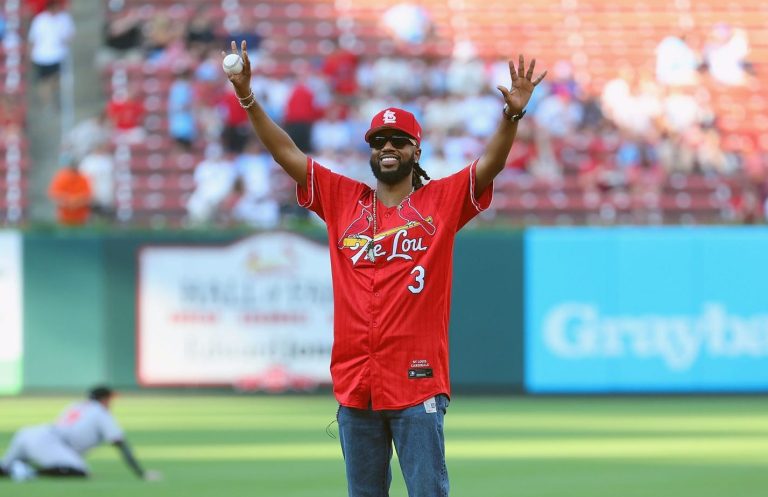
[(353, 236), (409, 214)]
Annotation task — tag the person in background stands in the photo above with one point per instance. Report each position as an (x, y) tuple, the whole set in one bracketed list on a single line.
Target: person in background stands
[(71, 191), (49, 36)]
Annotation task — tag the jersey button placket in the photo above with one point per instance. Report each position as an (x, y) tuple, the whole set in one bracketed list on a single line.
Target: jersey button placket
[(374, 334), (374, 321)]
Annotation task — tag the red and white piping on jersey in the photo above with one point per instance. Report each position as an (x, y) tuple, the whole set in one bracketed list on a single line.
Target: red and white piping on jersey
[(472, 179), (310, 185)]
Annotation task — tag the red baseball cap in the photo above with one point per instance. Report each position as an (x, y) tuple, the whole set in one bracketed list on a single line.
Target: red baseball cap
[(394, 118)]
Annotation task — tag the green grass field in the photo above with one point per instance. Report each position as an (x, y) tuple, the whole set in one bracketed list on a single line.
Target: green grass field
[(233, 446)]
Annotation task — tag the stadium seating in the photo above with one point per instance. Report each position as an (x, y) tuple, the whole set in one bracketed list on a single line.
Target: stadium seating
[(14, 157), (595, 37)]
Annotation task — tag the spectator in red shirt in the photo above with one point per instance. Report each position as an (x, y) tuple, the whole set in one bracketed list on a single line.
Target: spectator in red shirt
[(235, 132), (523, 154), (341, 69), (300, 115), (127, 115), (391, 257)]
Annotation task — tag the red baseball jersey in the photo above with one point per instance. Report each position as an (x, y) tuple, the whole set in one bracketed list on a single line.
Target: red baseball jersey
[(391, 314)]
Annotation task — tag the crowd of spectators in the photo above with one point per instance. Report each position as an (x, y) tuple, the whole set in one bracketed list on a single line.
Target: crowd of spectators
[(630, 133)]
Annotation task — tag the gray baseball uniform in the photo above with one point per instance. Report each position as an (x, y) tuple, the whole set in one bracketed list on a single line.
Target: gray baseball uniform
[(80, 427)]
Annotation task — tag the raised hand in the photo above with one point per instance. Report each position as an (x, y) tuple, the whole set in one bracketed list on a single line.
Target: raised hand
[(242, 80), (517, 96)]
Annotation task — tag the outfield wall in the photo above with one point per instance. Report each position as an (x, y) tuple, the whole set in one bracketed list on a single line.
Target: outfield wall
[(11, 310), (549, 310), (81, 297), (653, 309)]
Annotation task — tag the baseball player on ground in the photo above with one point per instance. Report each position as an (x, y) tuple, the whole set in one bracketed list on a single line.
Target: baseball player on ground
[(58, 449), (391, 259)]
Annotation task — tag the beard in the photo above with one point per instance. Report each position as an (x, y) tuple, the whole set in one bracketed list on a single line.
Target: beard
[(392, 177)]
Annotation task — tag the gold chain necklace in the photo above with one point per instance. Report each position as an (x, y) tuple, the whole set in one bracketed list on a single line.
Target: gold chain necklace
[(371, 256)]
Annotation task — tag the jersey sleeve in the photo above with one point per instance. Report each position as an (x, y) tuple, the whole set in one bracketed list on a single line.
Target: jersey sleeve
[(109, 430), (326, 189), (458, 192)]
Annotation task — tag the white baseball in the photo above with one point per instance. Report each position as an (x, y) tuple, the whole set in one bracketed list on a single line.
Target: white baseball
[(232, 64)]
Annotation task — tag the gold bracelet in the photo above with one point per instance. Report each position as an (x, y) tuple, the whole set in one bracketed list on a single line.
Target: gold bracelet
[(250, 95), (250, 104)]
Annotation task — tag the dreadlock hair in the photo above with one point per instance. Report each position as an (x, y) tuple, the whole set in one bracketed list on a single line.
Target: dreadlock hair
[(419, 173)]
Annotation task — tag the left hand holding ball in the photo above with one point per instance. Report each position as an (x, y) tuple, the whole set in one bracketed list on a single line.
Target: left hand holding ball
[(232, 64)]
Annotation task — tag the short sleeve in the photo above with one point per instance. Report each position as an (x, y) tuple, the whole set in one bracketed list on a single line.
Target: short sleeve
[(325, 189), (458, 191), (110, 430), (478, 204)]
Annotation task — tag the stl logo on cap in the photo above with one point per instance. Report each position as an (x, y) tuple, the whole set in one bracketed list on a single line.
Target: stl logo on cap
[(394, 118)]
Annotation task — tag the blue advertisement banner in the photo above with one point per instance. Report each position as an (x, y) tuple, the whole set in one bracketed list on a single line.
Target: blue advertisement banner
[(646, 310)]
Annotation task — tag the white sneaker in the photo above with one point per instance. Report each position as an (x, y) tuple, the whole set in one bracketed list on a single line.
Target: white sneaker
[(21, 471)]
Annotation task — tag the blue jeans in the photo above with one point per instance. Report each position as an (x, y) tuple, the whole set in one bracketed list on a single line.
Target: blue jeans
[(366, 441)]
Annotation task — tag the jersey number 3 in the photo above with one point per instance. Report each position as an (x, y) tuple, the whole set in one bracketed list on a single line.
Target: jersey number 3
[(418, 285)]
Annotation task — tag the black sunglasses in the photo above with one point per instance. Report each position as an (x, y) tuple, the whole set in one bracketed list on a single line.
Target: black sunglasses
[(397, 141)]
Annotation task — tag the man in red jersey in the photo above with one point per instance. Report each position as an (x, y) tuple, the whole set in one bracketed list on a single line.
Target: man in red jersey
[(391, 258)]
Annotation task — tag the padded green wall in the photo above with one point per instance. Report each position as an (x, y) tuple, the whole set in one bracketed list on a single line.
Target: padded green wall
[(80, 308), (64, 311), (487, 312)]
